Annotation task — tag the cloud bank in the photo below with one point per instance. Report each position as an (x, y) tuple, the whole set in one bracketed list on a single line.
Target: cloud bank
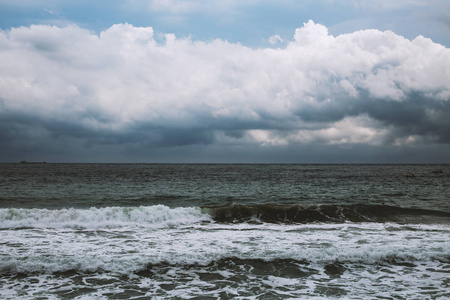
[(129, 91)]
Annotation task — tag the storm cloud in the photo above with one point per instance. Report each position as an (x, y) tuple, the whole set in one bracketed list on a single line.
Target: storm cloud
[(69, 94)]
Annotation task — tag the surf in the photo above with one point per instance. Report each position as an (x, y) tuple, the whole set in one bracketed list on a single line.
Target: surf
[(163, 216)]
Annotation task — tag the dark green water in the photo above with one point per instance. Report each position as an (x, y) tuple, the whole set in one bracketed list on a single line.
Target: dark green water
[(169, 231), (100, 185)]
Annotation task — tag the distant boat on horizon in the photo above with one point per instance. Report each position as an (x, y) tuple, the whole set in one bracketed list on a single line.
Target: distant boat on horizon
[(33, 162)]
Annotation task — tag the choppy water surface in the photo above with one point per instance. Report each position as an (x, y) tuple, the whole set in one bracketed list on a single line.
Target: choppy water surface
[(86, 231)]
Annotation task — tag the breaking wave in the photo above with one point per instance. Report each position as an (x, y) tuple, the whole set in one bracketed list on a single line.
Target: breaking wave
[(325, 213), (106, 217), (163, 216)]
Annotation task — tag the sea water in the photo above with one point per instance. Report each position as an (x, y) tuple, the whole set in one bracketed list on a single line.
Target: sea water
[(169, 231)]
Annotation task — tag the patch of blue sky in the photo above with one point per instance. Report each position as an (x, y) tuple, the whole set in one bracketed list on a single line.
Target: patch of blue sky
[(250, 23)]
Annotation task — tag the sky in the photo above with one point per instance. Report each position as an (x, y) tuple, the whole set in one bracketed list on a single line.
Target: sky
[(205, 81)]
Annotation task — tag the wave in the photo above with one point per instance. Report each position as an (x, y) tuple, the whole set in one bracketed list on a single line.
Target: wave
[(106, 217), (325, 213), (163, 216), (71, 265)]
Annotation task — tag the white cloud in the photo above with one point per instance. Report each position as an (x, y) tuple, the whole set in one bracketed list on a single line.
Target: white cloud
[(350, 130), (318, 89), (274, 39)]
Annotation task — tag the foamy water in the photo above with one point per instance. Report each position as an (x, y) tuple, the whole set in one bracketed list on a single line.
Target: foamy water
[(107, 217), (224, 232), (156, 256)]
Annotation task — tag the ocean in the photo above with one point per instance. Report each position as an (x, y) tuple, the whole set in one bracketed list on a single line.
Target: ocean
[(224, 231)]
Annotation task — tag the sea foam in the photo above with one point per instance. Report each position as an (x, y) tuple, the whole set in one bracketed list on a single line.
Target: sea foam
[(106, 217)]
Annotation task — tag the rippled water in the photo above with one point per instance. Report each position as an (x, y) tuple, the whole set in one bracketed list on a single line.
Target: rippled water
[(86, 185), (86, 231)]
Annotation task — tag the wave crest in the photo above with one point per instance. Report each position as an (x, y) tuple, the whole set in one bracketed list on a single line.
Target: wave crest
[(325, 213), (158, 215), (163, 216)]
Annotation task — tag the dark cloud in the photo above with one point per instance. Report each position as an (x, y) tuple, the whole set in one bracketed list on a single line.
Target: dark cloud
[(417, 115), (370, 96)]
